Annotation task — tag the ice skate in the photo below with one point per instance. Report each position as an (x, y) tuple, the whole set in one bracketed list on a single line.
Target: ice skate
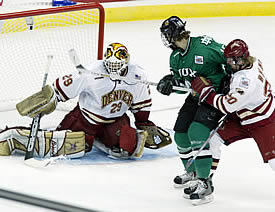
[(183, 181), (203, 193), (190, 189)]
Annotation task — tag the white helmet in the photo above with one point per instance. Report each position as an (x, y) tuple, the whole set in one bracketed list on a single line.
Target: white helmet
[(116, 59)]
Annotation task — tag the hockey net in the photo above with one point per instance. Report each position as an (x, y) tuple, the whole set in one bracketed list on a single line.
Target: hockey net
[(28, 37)]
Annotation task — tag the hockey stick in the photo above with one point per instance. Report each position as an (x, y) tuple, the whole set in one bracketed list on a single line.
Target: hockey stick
[(29, 159), (76, 61), (191, 160)]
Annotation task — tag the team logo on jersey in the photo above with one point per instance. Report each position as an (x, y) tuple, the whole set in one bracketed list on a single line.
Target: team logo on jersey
[(185, 72), (244, 82), (199, 59), (117, 95)]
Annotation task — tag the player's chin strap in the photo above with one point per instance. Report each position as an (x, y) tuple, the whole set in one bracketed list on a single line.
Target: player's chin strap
[(76, 61)]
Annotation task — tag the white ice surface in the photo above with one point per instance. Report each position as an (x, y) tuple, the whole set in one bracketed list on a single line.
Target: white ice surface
[(243, 183)]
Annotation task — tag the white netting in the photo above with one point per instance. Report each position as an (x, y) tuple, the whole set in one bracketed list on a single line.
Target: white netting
[(18, 5), (24, 51)]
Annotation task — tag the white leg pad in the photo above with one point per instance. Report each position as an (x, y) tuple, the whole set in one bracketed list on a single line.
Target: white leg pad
[(48, 144)]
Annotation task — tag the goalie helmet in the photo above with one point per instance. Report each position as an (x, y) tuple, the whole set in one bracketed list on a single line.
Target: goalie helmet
[(116, 59), (172, 30)]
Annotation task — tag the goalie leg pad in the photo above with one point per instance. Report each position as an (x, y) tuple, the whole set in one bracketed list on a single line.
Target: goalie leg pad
[(43, 102), (49, 143), (6, 147), (73, 145), (141, 139), (9, 142)]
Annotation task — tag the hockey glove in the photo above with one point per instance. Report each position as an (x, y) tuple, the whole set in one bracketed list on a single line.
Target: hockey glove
[(42, 102), (157, 137), (203, 87), (224, 85), (165, 85)]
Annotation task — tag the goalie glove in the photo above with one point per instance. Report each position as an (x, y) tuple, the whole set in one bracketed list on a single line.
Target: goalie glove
[(202, 87), (42, 102), (157, 137)]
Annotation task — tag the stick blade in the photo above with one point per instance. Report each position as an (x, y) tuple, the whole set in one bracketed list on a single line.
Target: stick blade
[(35, 163)]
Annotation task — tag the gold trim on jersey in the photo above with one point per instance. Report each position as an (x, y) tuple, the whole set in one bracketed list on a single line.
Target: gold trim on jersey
[(97, 118), (117, 95), (139, 105), (260, 110)]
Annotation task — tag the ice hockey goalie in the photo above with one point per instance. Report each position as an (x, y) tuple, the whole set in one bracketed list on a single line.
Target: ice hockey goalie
[(99, 119)]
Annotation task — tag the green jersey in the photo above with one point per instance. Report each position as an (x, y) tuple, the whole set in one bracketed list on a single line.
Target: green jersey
[(202, 57)]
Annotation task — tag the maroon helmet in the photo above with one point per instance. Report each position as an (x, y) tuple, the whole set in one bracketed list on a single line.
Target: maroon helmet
[(236, 49)]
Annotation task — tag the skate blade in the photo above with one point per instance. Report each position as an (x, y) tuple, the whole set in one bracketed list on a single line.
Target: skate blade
[(202, 201), (179, 185)]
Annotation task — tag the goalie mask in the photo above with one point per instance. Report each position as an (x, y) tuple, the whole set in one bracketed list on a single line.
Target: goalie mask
[(116, 59), (172, 29)]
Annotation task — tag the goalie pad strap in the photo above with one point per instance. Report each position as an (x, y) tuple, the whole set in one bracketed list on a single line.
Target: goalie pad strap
[(43, 102)]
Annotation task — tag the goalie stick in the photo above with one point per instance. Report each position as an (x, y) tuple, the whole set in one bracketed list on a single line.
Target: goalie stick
[(29, 159), (76, 61), (191, 160)]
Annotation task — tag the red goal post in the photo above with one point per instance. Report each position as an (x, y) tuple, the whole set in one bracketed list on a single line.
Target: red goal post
[(27, 37)]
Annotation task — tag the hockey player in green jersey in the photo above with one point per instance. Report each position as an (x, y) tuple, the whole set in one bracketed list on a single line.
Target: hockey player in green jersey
[(192, 57)]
